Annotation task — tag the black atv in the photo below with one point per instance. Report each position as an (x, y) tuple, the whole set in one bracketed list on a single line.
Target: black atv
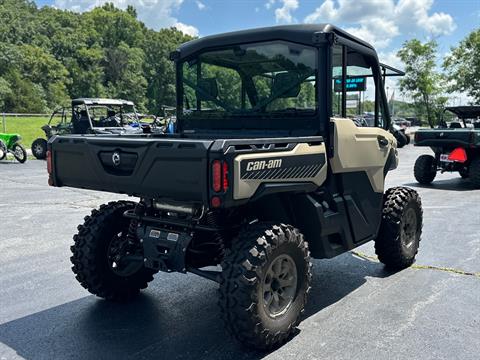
[(260, 176), (456, 147), (89, 116)]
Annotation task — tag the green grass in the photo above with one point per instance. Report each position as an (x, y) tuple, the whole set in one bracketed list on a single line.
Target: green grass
[(29, 128)]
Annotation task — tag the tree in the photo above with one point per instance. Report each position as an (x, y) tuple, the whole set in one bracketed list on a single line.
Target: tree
[(48, 56), (463, 66), (422, 81)]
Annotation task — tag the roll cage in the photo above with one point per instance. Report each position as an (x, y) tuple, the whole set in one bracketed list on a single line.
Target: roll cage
[(321, 37)]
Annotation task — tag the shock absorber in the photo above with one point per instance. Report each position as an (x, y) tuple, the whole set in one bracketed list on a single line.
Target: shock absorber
[(132, 228), (218, 241)]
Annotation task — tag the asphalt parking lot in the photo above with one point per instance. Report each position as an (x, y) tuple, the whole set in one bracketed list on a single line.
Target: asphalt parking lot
[(357, 310)]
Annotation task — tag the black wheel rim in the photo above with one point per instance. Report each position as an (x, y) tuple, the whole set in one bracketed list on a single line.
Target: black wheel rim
[(123, 260), (38, 149), (279, 285), (409, 228)]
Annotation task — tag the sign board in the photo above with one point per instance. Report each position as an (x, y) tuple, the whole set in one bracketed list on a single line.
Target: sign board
[(354, 83), (352, 103)]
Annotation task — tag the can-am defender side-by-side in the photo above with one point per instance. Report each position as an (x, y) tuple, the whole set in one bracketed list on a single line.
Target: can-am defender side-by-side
[(456, 147), (89, 116), (262, 174)]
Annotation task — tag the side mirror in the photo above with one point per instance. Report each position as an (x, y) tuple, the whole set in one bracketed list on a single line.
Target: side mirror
[(286, 85)]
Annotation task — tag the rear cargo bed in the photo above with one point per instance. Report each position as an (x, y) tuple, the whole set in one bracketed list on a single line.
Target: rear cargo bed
[(172, 168)]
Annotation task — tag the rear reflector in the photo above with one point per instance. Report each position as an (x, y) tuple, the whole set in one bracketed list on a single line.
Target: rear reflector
[(216, 202), (458, 155)]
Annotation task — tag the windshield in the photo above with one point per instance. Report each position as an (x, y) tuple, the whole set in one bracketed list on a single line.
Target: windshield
[(260, 80), (109, 115)]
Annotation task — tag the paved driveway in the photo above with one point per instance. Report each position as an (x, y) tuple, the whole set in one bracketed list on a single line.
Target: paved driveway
[(356, 309)]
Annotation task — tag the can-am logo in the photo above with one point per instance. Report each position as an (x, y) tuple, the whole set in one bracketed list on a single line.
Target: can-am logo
[(116, 158), (264, 164)]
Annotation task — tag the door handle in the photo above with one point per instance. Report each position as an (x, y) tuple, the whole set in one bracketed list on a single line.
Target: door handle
[(382, 141)]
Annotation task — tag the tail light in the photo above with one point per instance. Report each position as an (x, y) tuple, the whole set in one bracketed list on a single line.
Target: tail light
[(217, 175), (458, 155), (49, 162), (220, 181), (220, 176), (225, 176), (49, 167)]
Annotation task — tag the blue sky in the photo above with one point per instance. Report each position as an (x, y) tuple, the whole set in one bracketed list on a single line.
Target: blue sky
[(385, 23)]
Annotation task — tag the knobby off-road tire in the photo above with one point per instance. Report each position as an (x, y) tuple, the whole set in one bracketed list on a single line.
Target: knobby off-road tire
[(3, 150), (39, 149), (264, 285), (464, 173), (401, 228), (92, 245), (425, 169), (474, 172), (19, 153)]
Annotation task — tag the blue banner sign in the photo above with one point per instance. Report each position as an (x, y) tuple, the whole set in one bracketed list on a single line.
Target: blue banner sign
[(357, 83)]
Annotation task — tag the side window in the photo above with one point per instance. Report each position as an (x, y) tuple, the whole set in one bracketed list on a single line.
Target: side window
[(359, 98)]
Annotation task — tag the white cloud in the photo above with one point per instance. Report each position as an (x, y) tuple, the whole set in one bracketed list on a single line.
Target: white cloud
[(269, 4), (200, 5), (379, 21), (186, 29), (284, 13), (379, 33), (155, 14)]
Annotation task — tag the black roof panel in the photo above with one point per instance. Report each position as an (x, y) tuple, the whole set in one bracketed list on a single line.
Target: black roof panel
[(303, 34), (467, 112)]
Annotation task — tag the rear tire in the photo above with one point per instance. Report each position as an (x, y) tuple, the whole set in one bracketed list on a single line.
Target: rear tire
[(19, 153), (265, 281), (39, 148), (474, 172), (94, 246), (463, 173), (425, 169), (3, 150), (401, 228)]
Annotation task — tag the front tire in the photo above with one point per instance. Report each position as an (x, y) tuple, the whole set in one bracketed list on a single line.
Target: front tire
[(19, 153), (401, 228), (39, 148), (96, 252), (265, 281), (425, 169)]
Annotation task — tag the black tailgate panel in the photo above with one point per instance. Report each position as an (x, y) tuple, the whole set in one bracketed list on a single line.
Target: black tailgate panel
[(443, 137), (149, 167)]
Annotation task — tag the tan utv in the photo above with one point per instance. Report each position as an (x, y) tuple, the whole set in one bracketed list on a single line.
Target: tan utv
[(265, 170)]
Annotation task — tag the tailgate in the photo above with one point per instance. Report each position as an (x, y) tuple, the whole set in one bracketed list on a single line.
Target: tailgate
[(442, 137), (175, 169)]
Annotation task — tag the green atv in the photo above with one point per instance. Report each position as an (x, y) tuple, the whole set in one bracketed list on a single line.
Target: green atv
[(10, 143)]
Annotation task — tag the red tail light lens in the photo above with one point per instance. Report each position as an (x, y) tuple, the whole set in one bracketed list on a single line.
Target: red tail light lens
[(458, 155), (49, 162), (217, 175), (225, 176)]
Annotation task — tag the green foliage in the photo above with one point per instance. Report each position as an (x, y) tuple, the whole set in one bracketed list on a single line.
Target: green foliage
[(463, 66), (48, 56), (422, 81)]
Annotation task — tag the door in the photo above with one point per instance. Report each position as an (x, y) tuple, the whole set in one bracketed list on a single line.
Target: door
[(362, 151)]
